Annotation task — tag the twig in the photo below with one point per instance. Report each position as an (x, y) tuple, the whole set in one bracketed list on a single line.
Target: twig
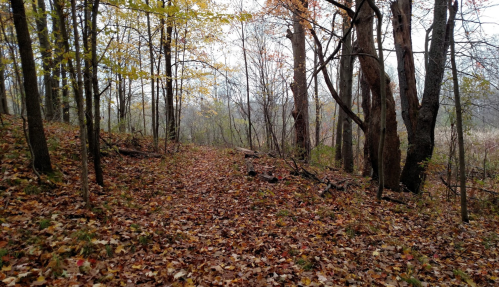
[(447, 185)]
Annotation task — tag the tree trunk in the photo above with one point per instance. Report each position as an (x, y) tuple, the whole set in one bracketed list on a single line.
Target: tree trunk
[(4, 107), (421, 150), (142, 90), (401, 20), (65, 95), (366, 109), (151, 58), (247, 86), (299, 85), (316, 94), (346, 75), (121, 104), (459, 113), (95, 85), (45, 50), (87, 76), (77, 89), (56, 68), (339, 138), (36, 132), (170, 116), (370, 66)]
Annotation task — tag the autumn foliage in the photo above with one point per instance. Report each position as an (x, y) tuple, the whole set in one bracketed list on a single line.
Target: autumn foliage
[(193, 217)]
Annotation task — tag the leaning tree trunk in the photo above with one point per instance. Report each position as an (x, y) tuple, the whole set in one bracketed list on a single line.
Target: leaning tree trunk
[(36, 132), (421, 150), (299, 85), (370, 67)]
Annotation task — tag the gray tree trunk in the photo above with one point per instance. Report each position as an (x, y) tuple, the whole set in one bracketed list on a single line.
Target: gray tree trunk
[(299, 85), (459, 114), (346, 75)]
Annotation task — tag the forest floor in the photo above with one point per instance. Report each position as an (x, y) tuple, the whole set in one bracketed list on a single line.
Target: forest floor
[(194, 218)]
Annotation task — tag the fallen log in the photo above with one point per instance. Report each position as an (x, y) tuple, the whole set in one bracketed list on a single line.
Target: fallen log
[(248, 153), (268, 178), (137, 153), (250, 168)]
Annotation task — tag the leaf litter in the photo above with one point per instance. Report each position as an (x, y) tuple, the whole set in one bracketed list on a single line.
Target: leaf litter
[(193, 218)]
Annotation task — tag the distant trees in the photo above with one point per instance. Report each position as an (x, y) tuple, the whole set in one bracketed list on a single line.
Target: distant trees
[(166, 69)]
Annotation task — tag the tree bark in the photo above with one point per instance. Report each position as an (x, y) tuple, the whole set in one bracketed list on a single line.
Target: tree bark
[(247, 86), (370, 66), (99, 178), (170, 115), (299, 85), (420, 152), (87, 78), (65, 95), (4, 107), (56, 71), (35, 123), (401, 21), (346, 75), (77, 89), (151, 58), (45, 50), (366, 109), (459, 113)]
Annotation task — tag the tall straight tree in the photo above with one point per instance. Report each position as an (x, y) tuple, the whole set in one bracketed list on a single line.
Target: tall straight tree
[(346, 75), (46, 51), (459, 113), (170, 115), (95, 87), (4, 107), (151, 58), (87, 76), (56, 69), (299, 85), (243, 39), (37, 139), (77, 88)]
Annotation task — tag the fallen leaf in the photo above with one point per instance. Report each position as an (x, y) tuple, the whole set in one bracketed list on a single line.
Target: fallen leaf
[(119, 249), (181, 273)]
